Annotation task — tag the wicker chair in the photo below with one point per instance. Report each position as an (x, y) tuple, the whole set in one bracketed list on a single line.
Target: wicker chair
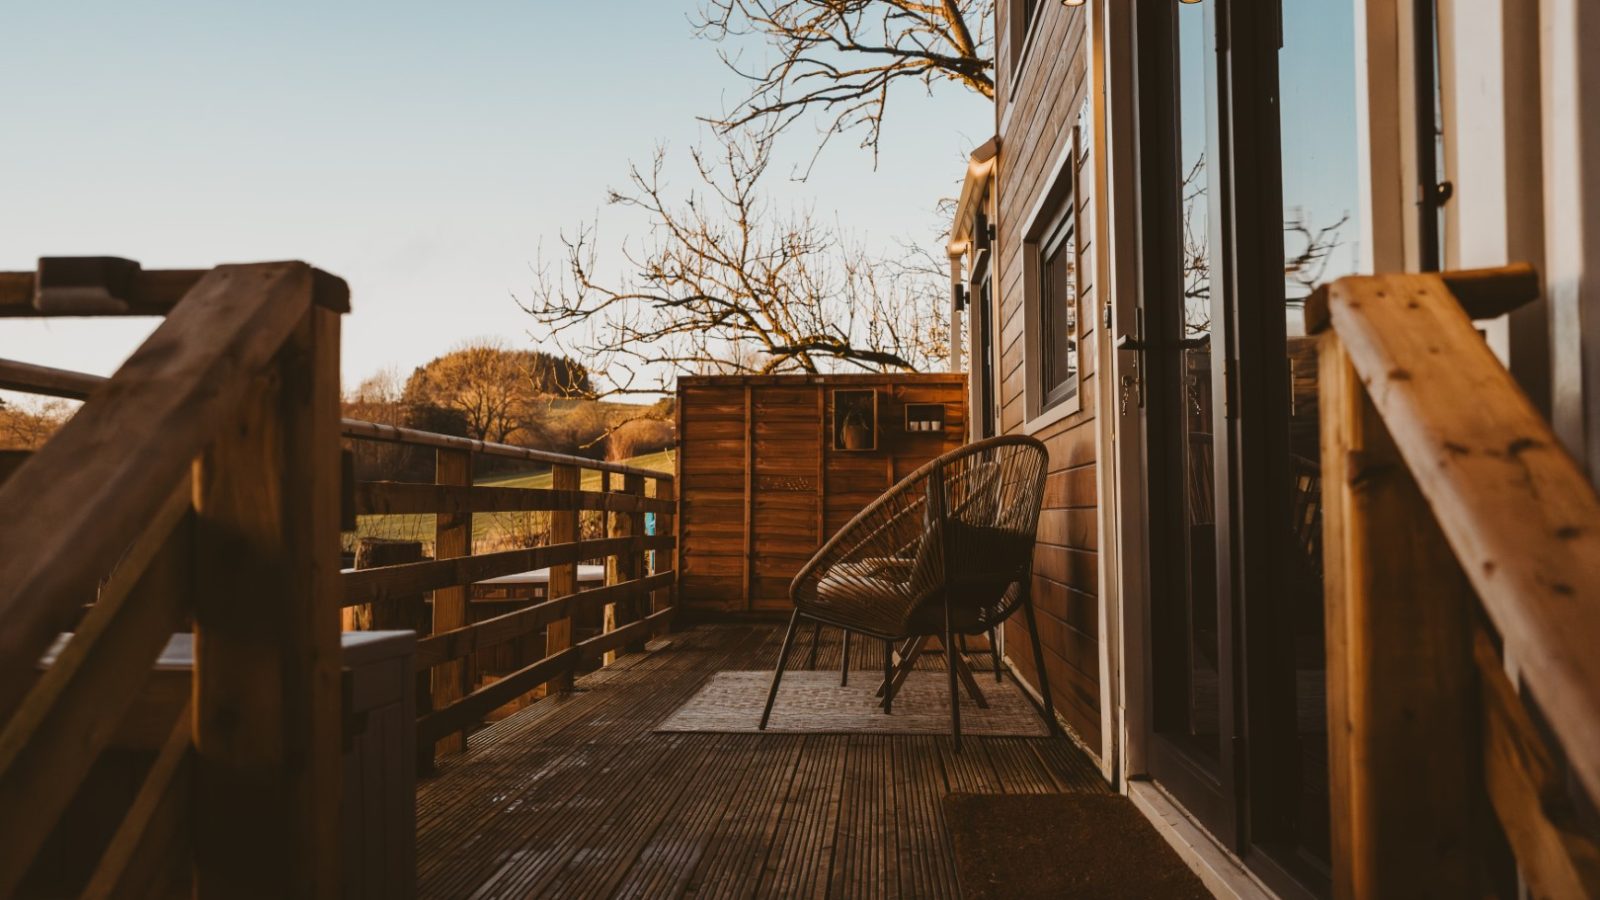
[(948, 551)]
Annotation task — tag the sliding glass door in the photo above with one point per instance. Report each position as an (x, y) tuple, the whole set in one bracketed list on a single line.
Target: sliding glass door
[(1248, 200)]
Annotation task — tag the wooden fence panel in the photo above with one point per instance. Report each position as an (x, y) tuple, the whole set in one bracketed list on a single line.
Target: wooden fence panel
[(762, 487)]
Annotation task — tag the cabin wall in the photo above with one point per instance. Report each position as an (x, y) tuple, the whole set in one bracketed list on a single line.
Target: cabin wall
[(1038, 107), (761, 487)]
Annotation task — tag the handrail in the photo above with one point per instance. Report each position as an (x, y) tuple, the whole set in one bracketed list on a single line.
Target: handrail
[(1521, 516), (1444, 490), (197, 484), (374, 431), (47, 381), (108, 286), (159, 411), (70, 385), (638, 598)]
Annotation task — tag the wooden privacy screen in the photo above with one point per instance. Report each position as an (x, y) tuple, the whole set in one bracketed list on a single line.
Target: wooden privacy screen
[(762, 486)]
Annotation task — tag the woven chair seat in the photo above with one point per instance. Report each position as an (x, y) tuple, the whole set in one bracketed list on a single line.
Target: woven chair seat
[(947, 551)]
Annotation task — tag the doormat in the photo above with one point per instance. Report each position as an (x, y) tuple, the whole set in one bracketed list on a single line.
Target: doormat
[(814, 703), (1089, 846)]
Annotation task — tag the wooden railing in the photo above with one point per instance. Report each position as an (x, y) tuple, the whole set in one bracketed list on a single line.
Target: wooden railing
[(1462, 548), (636, 601), (197, 484)]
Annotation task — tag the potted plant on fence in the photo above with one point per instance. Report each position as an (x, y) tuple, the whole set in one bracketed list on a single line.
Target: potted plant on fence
[(857, 430)]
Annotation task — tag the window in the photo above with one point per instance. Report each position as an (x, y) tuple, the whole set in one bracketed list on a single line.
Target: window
[(1030, 10), (1058, 314), (982, 306), (1022, 15), (1051, 287)]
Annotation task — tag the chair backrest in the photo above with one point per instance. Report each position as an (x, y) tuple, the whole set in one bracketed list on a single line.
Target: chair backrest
[(962, 524), (984, 501)]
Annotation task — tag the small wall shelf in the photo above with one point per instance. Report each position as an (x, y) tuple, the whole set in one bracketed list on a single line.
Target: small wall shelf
[(855, 420), (925, 418)]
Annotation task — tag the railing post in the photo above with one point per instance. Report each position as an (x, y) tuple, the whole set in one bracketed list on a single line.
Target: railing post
[(624, 566), (638, 605), (563, 577), (666, 560), (452, 538), (266, 667), (1404, 758)]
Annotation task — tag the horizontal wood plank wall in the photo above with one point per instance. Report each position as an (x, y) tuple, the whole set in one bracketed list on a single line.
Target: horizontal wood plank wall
[(1038, 106), (748, 527)]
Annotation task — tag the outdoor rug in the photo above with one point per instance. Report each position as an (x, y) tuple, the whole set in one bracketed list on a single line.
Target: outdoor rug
[(814, 703), (1090, 846)]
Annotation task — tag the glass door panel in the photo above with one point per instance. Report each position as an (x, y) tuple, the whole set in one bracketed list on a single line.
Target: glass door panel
[(1186, 455), (1317, 127)]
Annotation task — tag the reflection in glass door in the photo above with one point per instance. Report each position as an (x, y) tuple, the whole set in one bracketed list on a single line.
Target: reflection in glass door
[(1192, 750), (1317, 148)]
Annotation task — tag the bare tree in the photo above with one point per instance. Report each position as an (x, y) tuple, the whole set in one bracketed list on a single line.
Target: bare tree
[(727, 283), (27, 425), (1303, 267), (1307, 250), (840, 58)]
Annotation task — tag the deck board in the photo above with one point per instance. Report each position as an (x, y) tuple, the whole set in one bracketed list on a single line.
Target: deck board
[(576, 796)]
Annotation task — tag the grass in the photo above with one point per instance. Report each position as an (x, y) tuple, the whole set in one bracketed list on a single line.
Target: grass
[(499, 531)]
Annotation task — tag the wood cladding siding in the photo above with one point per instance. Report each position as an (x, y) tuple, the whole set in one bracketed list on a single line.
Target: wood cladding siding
[(762, 487), (1039, 102)]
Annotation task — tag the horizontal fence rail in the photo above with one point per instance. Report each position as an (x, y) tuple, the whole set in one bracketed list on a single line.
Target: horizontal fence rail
[(483, 653)]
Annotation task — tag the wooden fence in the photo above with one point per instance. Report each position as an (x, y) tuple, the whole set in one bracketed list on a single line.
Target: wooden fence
[(637, 599), (199, 484), (201, 487), (1463, 603), (766, 482)]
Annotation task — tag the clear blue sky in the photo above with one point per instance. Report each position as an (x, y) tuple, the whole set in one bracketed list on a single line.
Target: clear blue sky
[(421, 150)]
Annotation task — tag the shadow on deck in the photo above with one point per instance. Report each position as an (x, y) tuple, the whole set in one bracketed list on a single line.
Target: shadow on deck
[(576, 796)]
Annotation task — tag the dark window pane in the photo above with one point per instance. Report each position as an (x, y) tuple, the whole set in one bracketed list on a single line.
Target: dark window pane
[(1058, 316)]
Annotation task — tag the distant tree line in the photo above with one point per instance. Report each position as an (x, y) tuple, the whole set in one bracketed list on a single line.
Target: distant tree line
[(487, 391)]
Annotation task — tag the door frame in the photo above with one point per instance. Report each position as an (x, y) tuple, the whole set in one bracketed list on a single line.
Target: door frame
[(1209, 795)]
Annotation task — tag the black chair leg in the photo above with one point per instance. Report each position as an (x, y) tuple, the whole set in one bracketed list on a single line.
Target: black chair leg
[(888, 676), (994, 654), (955, 692), (1038, 662), (777, 674), (844, 664), (816, 638)]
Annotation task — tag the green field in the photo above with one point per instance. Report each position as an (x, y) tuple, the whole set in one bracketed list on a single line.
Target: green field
[(498, 531)]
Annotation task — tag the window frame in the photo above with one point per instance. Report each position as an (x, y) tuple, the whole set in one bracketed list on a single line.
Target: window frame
[(1022, 28), (1055, 218)]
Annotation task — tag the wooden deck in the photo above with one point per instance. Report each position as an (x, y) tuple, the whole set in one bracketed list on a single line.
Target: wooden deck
[(577, 797)]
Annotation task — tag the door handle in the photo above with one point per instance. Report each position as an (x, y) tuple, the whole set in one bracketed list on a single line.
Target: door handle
[(1129, 342)]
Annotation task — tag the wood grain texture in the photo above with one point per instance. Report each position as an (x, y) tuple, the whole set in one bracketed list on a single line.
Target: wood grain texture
[(762, 489), (154, 292), (1557, 855), (587, 800), (1407, 680), (154, 832), (451, 680), (1518, 512), (159, 411), (49, 745), (266, 625), (563, 576), (380, 498)]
